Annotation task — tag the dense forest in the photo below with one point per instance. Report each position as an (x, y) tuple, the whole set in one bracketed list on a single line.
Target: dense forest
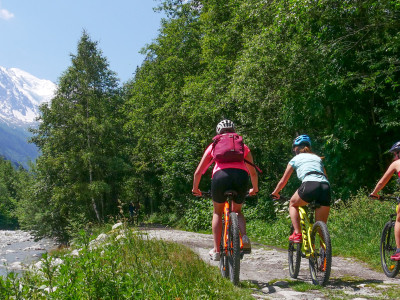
[(279, 68)]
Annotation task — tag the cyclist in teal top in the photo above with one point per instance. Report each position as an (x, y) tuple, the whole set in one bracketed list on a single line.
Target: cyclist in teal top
[(393, 168), (314, 187)]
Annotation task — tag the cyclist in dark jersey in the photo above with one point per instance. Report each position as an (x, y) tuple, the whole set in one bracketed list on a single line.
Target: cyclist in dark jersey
[(393, 168), (314, 187), (227, 176)]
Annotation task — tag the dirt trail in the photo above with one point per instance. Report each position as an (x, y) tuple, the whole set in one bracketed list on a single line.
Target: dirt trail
[(349, 279)]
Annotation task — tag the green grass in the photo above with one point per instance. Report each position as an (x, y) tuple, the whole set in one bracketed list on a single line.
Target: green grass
[(127, 266)]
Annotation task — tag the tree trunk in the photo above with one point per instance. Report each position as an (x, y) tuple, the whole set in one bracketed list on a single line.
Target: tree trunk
[(90, 163), (372, 102)]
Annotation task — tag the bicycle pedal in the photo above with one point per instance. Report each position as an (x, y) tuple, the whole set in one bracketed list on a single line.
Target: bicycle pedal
[(246, 251), (241, 254)]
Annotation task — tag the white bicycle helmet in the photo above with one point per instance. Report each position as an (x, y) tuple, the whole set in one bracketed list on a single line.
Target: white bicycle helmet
[(225, 124)]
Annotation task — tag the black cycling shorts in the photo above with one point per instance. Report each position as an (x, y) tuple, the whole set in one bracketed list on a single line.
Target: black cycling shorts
[(229, 179), (320, 192)]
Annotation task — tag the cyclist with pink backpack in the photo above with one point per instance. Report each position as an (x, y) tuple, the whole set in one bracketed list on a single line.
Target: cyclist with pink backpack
[(233, 165)]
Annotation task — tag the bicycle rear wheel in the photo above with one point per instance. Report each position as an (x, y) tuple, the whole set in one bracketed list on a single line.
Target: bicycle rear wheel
[(294, 256), (321, 261), (223, 263), (234, 249), (388, 246)]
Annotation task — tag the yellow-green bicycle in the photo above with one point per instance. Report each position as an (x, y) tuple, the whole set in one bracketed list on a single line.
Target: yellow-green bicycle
[(315, 246)]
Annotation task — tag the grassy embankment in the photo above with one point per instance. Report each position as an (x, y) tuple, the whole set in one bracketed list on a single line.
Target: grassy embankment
[(126, 265)]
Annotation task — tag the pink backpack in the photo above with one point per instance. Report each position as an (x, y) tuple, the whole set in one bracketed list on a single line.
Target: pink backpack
[(228, 147)]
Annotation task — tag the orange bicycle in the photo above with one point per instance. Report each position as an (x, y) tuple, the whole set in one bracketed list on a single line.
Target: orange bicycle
[(231, 247)]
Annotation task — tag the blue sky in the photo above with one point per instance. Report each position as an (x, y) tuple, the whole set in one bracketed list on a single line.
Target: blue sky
[(38, 36)]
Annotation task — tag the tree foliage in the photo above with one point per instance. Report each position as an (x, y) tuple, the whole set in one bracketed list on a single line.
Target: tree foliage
[(326, 68), (329, 69), (79, 173)]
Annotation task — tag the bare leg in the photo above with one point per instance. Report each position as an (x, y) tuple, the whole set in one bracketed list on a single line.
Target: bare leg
[(322, 213), (294, 204), (217, 224), (397, 230), (237, 208)]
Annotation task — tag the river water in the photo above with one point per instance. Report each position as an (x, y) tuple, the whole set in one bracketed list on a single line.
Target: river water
[(19, 249)]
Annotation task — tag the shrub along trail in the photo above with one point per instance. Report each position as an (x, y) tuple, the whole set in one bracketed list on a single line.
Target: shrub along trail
[(267, 267)]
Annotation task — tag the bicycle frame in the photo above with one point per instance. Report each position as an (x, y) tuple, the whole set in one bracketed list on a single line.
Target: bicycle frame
[(227, 211), (306, 228)]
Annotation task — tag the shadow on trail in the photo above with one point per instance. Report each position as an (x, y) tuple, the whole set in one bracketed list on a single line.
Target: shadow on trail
[(300, 285), (352, 283)]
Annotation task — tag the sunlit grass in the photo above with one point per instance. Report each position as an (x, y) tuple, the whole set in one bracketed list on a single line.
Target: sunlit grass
[(126, 265)]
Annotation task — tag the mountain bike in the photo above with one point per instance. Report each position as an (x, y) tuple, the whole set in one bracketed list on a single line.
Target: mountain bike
[(388, 243), (315, 246), (231, 247)]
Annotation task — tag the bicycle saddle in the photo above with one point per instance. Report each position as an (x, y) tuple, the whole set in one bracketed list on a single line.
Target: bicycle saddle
[(314, 205), (230, 193)]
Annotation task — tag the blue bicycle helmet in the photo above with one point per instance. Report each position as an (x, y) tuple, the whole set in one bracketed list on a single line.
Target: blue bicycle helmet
[(395, 148), (301, 140)]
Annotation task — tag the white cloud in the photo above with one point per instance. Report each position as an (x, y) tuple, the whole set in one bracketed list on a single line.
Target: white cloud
[(5, 14)]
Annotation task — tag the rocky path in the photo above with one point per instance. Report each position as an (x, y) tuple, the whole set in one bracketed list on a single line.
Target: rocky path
[(267, 267)]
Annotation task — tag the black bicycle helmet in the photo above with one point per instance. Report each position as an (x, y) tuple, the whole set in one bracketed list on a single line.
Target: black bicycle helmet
[(395, 148), (225, 124)]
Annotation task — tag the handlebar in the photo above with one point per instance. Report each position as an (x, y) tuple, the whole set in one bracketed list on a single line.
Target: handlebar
[(207, 194), (386, 198), (281, 198)]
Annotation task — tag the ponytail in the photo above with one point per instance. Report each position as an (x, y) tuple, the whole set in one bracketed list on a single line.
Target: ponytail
[(306, 149)]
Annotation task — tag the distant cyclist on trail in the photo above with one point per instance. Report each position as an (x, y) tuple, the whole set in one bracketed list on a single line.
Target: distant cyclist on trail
[(314, 187), (394, 167), (231, 172)]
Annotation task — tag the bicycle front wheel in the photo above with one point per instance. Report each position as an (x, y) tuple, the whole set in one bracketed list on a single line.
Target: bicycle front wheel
[(294, 256), (321, 260), (234, 249), (388, 247)]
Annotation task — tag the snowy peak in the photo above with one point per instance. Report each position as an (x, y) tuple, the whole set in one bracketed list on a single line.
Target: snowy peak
[(20, 96)]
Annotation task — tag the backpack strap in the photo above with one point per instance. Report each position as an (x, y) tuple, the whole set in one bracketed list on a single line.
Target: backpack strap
[(255, 166), (315, 173)]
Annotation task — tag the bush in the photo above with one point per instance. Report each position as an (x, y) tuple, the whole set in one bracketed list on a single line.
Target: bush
[(198, 215), (259, 208), (356, 227)]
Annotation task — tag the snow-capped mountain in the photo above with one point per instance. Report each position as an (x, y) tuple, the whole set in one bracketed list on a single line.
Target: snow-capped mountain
[(20, 96)]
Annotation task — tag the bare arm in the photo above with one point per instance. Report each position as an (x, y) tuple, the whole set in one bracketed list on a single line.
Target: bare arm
[(253, 175), (282, 183), (204, 162), (385, 179)]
